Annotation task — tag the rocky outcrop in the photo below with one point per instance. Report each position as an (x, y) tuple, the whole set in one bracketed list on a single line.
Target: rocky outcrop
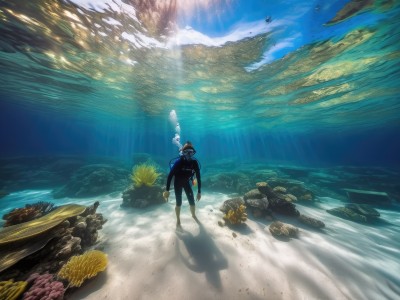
[(142, 196)]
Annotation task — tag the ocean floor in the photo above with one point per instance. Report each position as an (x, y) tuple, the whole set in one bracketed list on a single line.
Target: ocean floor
[(149, 258)]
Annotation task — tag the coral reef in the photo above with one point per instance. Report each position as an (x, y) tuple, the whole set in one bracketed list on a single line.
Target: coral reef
[(10, 290), (36, 227), (93, 180), (44, 288), (236, 216), (27, 213), (278, 228), (311, 222), (228, 182), (51, 248), (82, 267), (144, 174)]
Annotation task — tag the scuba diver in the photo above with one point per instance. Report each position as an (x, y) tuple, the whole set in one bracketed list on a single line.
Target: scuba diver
[(184, 169)]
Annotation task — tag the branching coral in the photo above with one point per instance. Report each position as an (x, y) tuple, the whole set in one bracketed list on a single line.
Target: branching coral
[(27, 213), (144, 174), (10, 290), (82, 267), (236, 216), (44, 288)]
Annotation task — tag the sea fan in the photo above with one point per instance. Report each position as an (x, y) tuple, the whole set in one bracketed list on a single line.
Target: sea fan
[(144, 174), (82, 267)]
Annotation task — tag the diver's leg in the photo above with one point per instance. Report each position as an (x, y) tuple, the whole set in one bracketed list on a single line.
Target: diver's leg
[(178, 197), (190, 196)]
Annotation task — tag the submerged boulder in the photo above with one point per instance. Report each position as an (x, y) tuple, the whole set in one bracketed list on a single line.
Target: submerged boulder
[(278, 228), (311, 222), (142, 196)]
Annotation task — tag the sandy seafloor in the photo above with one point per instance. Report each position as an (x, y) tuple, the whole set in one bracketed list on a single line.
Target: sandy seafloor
[(150, 259)]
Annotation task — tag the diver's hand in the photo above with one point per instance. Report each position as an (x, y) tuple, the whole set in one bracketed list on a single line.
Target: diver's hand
[(198, 196), (166, 195)]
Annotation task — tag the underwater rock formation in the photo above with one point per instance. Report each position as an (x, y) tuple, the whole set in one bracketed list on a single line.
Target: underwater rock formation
[(278, 201), (356, 212), (292, 188), (93, 180), (44, 287), (82, 267), (278, 228), (233, 204), (142, 196), (311, 221)]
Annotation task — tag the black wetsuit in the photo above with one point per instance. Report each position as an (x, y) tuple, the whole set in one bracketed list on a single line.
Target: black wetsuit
[(183, 171)]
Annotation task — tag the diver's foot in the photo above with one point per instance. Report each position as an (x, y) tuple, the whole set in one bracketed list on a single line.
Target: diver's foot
[(178, 224), (195, 218)]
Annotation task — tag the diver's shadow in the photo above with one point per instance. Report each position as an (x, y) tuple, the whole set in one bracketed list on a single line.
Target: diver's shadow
[(203, 255)]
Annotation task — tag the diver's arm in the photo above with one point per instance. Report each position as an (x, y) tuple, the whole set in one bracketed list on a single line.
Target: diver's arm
[(197, 171), (171, 174)]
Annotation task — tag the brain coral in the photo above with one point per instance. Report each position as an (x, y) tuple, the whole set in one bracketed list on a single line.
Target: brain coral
[(82, 267), (10, 290)]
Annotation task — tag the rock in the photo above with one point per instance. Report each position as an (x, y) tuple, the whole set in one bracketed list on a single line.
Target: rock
[(290, 197), (311, 222), (261, 204), (364, 209), (265, 189), (142, 196), (221, 223), (278, 228), (234, 234), (253, 194), (283, 207), (233, 204), (279, 189), (348, 214)]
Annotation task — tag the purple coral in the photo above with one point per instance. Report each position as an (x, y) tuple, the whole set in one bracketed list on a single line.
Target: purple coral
[(44, 288)]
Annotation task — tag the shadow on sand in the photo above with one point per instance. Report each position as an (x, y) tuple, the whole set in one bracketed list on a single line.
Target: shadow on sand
[(203, 255)]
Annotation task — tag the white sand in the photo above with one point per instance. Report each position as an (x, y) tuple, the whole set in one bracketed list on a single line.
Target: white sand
[(150, 259)]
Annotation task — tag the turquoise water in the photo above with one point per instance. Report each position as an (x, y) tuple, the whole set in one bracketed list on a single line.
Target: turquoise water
[(303, 95)]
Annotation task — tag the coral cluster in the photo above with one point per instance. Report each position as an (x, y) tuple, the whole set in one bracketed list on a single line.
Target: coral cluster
[(44, 288), (144, 174), (82, 267), (236, 216), (10, 290), (27, 213)]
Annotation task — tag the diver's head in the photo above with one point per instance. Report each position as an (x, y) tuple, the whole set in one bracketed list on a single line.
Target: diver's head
[(188, 150)]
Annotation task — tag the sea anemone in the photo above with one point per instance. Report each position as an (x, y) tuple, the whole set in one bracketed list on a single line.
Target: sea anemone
[(144, 174)]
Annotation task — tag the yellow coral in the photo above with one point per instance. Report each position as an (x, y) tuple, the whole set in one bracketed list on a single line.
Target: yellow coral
[(82, 267), (236, 216), (144, 174), (10, 290)]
